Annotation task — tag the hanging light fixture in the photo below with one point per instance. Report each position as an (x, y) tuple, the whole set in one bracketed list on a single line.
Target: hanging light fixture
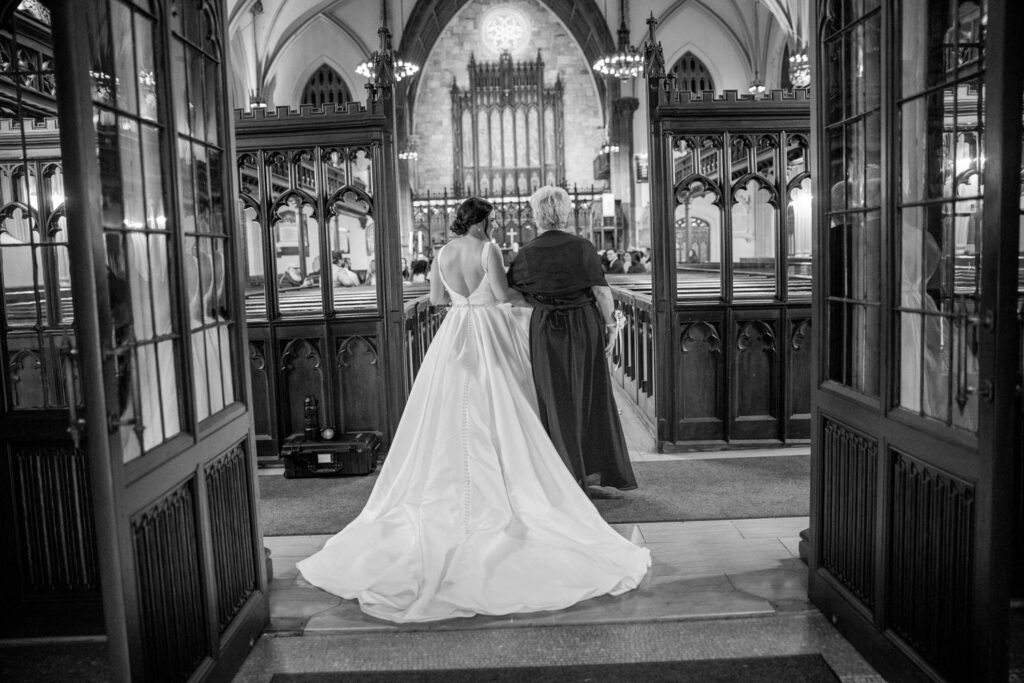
[(409, 153), (799, 68), (399, 68), (756, 85), (403, 69), (626, 61)]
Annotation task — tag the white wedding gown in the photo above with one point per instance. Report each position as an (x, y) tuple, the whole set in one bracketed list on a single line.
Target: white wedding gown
[(473, 511)]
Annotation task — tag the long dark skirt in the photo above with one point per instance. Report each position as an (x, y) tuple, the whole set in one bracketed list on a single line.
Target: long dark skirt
[(574, 392)]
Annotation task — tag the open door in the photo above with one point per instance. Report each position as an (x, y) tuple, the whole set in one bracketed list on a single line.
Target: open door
[(147, 149), (917, 131), (49, 581)]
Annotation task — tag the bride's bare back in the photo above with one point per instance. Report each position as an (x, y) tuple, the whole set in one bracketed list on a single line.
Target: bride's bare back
[(466, 262)]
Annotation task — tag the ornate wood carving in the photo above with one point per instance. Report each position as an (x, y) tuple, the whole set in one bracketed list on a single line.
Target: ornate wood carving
[(847, 514), (172, 615), (262, 406), (302, 373), (234, 555), (930, 571), (799, 367), (358, 378), (508, 128), (755, 361), (701, 367), (53, 516), (26, 380)]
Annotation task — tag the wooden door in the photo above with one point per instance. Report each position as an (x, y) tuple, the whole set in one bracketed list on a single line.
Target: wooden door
[(49, 578), (147, 148), (917, 134)]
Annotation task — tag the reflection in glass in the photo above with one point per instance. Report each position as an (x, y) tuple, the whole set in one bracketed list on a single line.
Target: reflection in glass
[(753, 240), (351, 229), (255, 280), (297, 255), (940, 212), (698, 221), (853, 334), (799, 237)]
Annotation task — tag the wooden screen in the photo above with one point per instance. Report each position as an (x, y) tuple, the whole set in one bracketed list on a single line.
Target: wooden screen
[(508, 128), (312, 210), (732, 248)]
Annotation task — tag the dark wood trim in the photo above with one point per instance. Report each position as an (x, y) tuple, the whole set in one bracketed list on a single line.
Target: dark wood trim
[(88, 278), (999, 427)]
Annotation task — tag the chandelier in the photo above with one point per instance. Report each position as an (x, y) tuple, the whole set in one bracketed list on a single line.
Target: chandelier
[(384, 63), (626, 61), (403, 69), (799, 69)]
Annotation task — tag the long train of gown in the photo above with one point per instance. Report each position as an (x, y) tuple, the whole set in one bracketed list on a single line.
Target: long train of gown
[(474, 511)]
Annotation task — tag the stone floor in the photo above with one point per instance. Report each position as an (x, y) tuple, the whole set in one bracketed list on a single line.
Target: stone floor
[(722, 588), (701, 570), (738, 578)]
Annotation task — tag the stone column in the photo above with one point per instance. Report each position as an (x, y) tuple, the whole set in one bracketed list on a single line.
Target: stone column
[(622, 164)]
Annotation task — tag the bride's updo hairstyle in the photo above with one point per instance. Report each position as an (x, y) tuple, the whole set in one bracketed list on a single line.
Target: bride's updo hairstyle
[(551, 207), (470, 212)]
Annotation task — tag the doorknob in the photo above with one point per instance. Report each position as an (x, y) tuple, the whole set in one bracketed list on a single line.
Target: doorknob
[(69, 363)]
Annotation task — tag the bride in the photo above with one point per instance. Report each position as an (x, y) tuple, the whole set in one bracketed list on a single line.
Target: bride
[(474, 511)]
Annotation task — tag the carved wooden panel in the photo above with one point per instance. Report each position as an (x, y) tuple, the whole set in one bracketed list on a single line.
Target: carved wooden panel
[(26, 377), (847, 514), (262, 405), (360, 381), (755, 366), (54, 521), (930, 572), (234, 555), (799, 370), (172, 615), (302, 374), (699, 380)]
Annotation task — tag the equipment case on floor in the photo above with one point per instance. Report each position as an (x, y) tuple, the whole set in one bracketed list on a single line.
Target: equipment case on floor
[(348, 453)]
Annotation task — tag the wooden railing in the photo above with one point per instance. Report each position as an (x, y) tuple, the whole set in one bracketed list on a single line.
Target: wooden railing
[(421, 323), (739, 371), (632, 361)]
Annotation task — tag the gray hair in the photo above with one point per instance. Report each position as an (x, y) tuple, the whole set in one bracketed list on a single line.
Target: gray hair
[(551, 207)]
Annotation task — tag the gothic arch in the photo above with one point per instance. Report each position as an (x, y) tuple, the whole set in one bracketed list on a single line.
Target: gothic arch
[(583, 19), (328, 72), (692, 74)]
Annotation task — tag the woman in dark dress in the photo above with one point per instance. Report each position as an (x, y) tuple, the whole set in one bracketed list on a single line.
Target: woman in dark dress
[(571, 329)]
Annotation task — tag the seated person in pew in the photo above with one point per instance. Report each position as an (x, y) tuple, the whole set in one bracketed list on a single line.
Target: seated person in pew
[(343, 274), (291, 277)]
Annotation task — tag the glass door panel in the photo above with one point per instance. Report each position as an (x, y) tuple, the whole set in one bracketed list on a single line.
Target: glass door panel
[(204, 229), (698, 216), (942, 123), (139, 237), (853, 244)]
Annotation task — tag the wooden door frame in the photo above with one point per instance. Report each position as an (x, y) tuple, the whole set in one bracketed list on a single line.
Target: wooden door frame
[(113, 504), (993, 465)]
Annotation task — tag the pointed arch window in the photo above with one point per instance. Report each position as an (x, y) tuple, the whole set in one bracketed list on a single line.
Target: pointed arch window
[(325, 86), (692, 75)]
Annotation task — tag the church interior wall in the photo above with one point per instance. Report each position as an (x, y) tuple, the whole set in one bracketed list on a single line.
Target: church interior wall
[(562, 56), (736, 41), (318, 42)]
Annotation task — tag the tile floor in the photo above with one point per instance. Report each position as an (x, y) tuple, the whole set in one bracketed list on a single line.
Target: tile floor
[(741, 579), (700, 570)]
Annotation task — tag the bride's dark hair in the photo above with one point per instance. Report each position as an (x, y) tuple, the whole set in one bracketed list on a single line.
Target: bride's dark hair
[(470, 212)]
